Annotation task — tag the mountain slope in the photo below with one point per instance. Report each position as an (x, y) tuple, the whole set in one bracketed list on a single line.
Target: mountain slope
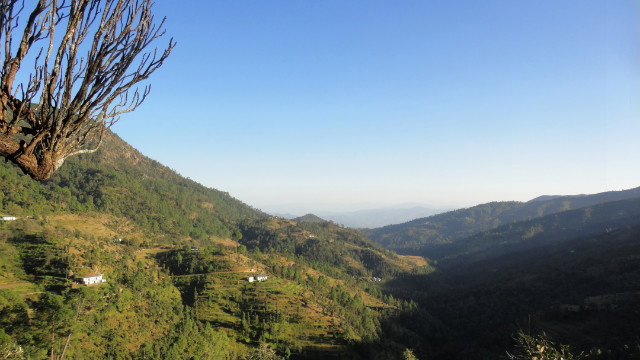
[(118, 180), (328, 247), (581, 290), (411, 237), (177, 257), (442, 228), (530, 235)]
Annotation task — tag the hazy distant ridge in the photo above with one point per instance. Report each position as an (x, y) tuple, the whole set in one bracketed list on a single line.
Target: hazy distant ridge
[(542, 231), (411, 237), (371, 218)]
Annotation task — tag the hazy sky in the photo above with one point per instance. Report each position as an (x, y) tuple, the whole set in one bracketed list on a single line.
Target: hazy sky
[(332, 105)]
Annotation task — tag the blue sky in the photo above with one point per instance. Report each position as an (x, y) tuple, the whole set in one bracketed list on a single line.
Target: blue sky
[(340, 105)]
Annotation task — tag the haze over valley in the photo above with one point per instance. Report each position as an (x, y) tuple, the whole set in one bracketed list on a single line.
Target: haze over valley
[(371, 218)]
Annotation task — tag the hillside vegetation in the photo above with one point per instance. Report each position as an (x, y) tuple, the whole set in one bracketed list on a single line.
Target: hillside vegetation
[(581, 290), (118, 180), (177, 257), (539, 232)]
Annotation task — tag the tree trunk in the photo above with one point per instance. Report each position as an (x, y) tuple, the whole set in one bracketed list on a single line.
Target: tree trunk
[(39, 169)]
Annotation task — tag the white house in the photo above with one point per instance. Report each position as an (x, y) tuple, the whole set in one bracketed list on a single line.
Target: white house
[(8, 218), (260, 277), (91, 279)]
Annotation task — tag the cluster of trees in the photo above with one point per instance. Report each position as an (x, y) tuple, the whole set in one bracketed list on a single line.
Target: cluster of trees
[(188, 262), (359, 322), (40, 255)]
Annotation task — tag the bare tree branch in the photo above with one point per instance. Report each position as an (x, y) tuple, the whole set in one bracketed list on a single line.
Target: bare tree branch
[(83, 77)]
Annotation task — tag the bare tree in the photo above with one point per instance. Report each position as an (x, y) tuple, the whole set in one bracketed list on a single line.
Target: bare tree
[(87, 57)]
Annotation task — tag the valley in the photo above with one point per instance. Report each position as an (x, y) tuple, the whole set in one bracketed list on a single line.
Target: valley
[(462, 174), (177, 257)]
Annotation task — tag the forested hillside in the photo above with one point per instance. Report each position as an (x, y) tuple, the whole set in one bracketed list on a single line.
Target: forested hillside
[(413, 236), (326, 246), (120, 181), (572, 276), (177, 258), (539, 232), (583, 291)]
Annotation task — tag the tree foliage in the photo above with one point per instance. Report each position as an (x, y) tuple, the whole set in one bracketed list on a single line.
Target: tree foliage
[(541, 347)]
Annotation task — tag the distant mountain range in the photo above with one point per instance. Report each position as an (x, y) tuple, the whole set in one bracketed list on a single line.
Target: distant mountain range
[(413, 236), (541, 232)]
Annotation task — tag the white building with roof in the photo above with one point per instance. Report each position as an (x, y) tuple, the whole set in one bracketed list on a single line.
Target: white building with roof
[(260, 277), (91, 279)]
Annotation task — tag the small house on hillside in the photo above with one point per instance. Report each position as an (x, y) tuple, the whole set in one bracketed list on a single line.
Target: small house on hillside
[(260, 277), (8, 218), (91, 279)]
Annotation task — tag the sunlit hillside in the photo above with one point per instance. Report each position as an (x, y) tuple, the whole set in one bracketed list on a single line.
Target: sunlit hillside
[(176, 259)]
